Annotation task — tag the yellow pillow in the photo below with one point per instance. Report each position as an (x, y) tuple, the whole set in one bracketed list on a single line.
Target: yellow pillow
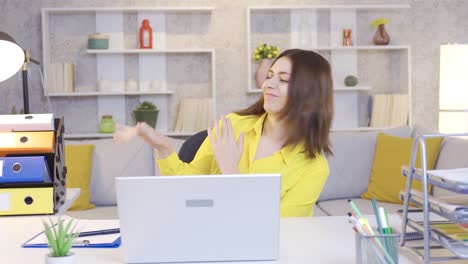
[(78, 159), (391, 153)]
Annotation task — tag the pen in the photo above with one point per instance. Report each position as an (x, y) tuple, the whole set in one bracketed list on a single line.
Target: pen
[(355, 209), (376, 212), (99, 232)]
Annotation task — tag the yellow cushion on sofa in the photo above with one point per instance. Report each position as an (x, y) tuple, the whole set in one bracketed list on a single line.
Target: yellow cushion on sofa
[(391, 153), (78, 159)]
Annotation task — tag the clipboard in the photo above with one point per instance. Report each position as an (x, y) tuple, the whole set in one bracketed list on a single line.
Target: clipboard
[(100, 237)]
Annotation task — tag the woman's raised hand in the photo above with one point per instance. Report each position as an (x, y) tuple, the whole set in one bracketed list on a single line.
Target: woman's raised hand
[(226, 150), (125, 134)]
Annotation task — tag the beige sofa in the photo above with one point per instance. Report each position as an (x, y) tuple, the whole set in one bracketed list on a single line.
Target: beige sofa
[(350, 169)]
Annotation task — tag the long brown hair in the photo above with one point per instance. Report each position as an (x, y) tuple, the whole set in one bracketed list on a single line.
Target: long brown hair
[(308, 111)]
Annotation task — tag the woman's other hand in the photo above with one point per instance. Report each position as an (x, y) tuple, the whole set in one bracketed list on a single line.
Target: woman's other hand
[(155, 139), (226, 150)]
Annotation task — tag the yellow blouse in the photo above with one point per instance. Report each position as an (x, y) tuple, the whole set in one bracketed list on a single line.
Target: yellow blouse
[(302, 179)]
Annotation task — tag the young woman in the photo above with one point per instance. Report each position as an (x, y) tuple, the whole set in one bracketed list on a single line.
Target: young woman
[(286, 131)]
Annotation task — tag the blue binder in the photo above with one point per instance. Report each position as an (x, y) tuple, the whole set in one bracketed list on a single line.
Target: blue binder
[(30, 169)]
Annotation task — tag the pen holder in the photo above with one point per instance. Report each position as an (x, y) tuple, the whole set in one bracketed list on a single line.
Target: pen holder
[(377, 249)]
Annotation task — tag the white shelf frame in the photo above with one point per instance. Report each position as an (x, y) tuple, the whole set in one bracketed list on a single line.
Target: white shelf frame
[(403, 48), (105, 135), (46, 12), (148, 51), (336, 89), (58, 10), (94, 93), (359, 7)]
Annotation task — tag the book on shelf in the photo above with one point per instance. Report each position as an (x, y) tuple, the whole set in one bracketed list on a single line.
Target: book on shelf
[(194, 114), (389, 110), (61, 77)]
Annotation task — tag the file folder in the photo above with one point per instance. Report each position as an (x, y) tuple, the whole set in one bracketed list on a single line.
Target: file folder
[(102, 238), (27, 201), (26, 143), (29, 122), (24, 169), (29, 198)]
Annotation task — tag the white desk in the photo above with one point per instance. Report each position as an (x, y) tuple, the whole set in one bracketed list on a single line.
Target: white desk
[(302, 240)]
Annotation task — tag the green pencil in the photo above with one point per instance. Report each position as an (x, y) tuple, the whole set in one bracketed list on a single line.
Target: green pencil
[(355, 209)]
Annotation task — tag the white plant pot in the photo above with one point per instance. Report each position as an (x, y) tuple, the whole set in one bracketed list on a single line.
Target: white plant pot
[(68, 259)]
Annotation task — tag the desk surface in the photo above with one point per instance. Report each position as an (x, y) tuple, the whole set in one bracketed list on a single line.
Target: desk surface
[(302, 240)]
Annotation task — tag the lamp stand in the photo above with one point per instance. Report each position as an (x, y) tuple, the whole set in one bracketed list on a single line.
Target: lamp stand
[(27, 59)]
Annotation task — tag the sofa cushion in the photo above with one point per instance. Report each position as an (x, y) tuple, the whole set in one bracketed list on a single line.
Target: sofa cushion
[(78, 159), (341, 206), (453, 154), (391, 154), (350, 165)]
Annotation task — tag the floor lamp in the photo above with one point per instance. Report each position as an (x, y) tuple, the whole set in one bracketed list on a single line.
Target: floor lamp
[(453, 89), (14, 58)]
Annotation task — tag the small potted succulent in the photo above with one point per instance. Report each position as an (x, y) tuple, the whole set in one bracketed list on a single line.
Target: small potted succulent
[(146, 112), (265, 54), (60, 238)]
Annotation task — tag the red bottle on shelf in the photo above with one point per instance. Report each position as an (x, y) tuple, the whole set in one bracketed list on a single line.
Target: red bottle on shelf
[(146, 35)]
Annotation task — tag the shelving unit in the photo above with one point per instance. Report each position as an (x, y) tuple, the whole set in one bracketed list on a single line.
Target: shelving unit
[(458, 249), (65, 33), (319, 28)]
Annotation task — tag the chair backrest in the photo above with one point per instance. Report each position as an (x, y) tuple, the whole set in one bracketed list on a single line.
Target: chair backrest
[(190, 147)]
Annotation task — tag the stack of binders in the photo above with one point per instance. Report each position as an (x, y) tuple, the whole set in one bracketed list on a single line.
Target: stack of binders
[(32, 164)]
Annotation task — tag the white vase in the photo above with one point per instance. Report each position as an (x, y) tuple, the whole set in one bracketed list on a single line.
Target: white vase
[(68, 259)]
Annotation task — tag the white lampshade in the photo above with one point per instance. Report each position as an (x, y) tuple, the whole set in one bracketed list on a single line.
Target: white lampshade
[(12, 56), (453, 89)]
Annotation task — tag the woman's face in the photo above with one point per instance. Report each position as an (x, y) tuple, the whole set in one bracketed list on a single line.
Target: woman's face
[(275, 87)]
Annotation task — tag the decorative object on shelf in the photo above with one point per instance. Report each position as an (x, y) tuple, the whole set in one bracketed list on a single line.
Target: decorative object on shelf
[(351, 81), (107, 124), (347, 37), (381, 36), (60, 236), (156, 85), (104, 85), (146, 35), (131, 85), (265, 54), (98, 41), (146, 112), (61, 77)]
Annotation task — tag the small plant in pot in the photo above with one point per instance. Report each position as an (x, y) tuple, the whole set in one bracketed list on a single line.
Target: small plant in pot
[(146, 112), (60, 238)]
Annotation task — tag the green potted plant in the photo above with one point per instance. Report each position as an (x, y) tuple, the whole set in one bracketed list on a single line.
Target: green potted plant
[(265, 54), (146, 112), (60, 238)]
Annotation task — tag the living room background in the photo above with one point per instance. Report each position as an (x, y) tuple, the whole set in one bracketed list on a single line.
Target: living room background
[(426, 25)]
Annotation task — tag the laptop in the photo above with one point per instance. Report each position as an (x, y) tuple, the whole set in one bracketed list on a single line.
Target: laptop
[(199, 218)]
